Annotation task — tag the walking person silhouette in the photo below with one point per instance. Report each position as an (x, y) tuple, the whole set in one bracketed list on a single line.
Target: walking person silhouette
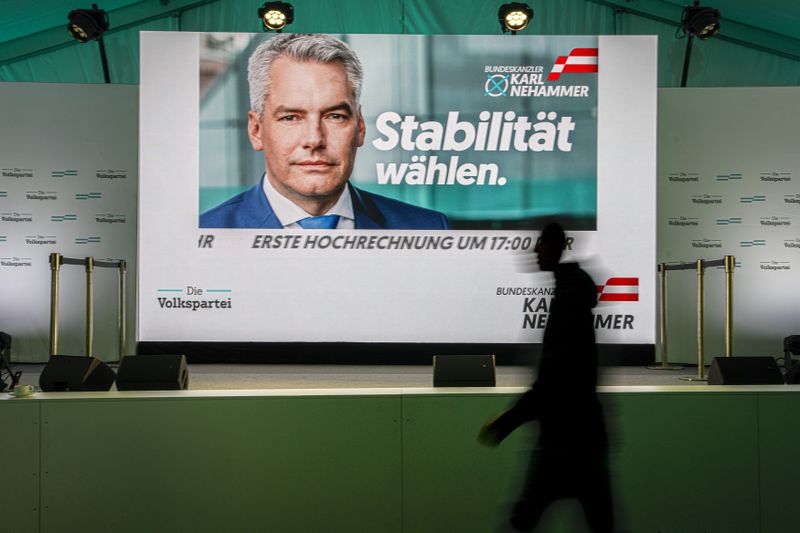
[(570, 459)]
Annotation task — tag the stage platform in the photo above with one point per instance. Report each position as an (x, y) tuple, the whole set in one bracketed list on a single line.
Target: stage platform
[(311, 448), (317, 376)]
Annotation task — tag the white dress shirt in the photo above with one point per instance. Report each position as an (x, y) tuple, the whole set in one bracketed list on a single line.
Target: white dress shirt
[(289, 213)]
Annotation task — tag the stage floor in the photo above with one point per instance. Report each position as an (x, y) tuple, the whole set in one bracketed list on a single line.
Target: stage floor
[(260, 376)]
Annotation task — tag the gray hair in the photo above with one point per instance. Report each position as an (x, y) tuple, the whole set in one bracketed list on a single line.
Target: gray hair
[(306, 47)]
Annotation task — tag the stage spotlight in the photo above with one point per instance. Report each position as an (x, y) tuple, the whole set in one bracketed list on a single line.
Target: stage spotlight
[(514, 17), (700, 22), (276, 15), (90, 24), (87, 24)]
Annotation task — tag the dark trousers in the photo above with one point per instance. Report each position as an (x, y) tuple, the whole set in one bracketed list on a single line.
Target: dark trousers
[(553, 475)]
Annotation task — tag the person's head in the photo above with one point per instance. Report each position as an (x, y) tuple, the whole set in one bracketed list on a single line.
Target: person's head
[(304, 115), (550, 245)]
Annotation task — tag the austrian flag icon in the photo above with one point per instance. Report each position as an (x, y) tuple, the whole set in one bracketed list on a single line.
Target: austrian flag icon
[(579, 60), (619, 290)]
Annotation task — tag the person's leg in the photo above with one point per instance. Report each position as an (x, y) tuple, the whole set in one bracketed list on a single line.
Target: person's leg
[(596, 499), (540, 490), (527, 512)]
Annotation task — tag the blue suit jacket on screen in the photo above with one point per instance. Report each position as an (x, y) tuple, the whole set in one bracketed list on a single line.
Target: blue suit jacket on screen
[(251, 209)]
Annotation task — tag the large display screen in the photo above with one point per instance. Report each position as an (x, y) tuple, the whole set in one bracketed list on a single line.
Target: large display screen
[(440, 156)]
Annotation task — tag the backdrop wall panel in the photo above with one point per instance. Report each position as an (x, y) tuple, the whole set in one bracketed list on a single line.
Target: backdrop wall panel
[(729, 184), (749, 132), (68, 180)]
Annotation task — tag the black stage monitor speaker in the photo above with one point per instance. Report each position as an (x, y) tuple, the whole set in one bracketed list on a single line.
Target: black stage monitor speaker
[(744, 370), (463, 371), (76, 373), (153, 372)]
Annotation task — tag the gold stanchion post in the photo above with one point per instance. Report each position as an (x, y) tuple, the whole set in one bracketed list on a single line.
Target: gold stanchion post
[(55, 266), (730, 263), (89, 306), (700, 368), (122, 266), (662, 275)]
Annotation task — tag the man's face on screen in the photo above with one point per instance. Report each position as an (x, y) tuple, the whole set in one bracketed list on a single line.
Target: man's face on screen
[(309, 131)]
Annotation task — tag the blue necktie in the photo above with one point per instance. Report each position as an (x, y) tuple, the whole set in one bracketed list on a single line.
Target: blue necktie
[(321, 222)]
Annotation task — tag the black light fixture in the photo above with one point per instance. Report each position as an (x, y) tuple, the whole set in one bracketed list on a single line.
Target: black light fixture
[(90, 24), (276, 15), (514, 17), (700, 22), (87, 24)]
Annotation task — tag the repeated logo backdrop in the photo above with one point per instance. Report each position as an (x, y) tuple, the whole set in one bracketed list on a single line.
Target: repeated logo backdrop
[(74, 194), (724, 190)]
